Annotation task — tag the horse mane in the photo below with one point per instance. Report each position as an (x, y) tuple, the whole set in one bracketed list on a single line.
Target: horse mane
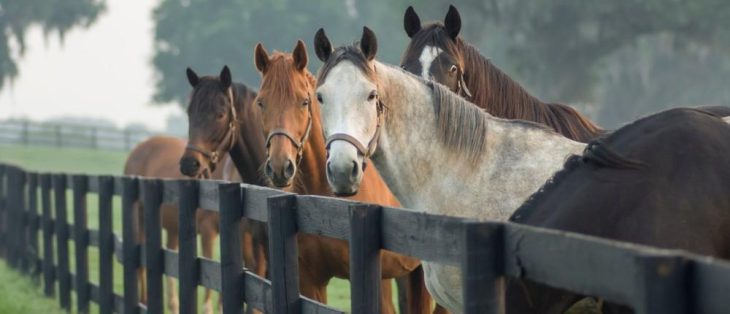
[(462, 126), (496, 92)]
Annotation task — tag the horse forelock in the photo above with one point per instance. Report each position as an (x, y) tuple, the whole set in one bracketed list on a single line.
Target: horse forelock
[(278, 77), (349, 53)]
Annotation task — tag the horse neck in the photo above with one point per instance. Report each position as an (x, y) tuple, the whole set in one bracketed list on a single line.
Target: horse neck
[(248, 153), (425, 173), (311, 177), (502, 97)]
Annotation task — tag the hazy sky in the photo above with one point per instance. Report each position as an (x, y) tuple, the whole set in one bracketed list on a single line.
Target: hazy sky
[(104, 71)]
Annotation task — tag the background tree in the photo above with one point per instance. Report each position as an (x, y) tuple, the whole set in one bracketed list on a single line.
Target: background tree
[(53, 16), (614, 60)]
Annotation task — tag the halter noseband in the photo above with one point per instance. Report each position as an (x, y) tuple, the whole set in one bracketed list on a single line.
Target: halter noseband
[(361, 149), (299, 144), (229, 138)]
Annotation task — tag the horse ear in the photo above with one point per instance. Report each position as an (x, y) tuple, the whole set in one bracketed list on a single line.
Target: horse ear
[(192, 77), (452, 22), (411, 22), (300, 55), (261, 58), (225, 77), (368, 43), (322, 45)]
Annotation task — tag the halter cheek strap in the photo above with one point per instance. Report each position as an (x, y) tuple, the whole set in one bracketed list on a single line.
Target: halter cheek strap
[(228, 140), (461, 86), (366, 151), (298, 143)]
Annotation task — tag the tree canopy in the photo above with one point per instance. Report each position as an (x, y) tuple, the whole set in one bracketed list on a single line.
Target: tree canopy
[(623, 58), (53, 16)]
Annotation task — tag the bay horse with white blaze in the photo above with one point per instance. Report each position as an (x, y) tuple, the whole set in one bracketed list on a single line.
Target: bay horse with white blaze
[(436, 51), (296, 162), (436, 151), (222, 120)]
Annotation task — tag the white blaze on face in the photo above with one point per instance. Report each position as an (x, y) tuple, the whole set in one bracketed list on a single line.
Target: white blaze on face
[(428, 54)]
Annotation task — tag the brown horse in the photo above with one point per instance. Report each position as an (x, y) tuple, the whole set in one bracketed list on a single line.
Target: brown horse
[(222, 120), (290, 116), (157, 158), (436, 51)]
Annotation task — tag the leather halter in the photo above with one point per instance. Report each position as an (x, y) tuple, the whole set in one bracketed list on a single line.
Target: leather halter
[(461, 88), (299, 144), (227, 140), (366, 151)]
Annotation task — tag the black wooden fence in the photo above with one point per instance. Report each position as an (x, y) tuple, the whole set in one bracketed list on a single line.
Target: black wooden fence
[(650, 280)]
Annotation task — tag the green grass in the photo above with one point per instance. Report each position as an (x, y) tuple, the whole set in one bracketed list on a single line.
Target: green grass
[(19, 294), (45, 159)]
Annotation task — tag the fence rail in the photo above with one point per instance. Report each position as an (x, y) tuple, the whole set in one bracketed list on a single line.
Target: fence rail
[(648, 279), (24, 132)]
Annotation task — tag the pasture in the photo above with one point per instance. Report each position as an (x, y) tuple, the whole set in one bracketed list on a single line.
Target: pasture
[(73, 160)]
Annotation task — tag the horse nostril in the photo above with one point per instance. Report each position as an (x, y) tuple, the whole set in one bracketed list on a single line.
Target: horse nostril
[(329, 169), (289, 172), (355, 169), (268, 170)]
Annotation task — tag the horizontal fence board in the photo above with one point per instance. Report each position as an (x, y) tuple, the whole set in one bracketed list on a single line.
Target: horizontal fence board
[(170, 260), (566, 260), (255, 201), (208, 194), (210, 274), (425, 236), (324, 216), (710, 285)]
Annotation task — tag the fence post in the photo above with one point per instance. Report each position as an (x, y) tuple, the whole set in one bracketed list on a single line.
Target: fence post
[(61, 219), (232, 272), (25, 135), (13, 203), (106, 245), (365, 244), (33, 219), (664, 281), (93, 138), (3, 210), (59, 140), (154, 256), (49, 276), (130, 243), (187, 262), (284, 267), (81, 241), (482, 267)]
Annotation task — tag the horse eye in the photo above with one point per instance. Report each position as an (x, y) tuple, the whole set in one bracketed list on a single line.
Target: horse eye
[(260, 103), (305, 103), (453, 68), (319, 98), (372, 95)]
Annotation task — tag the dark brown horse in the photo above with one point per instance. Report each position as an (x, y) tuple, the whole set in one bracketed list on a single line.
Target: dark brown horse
[(660, 181), (222, 120), (157, 158), (437, 52), (291, 119)]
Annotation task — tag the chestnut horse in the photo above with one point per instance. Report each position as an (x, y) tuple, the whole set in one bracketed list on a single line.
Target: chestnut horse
[(157, 158), (437, 52), (296, 161)]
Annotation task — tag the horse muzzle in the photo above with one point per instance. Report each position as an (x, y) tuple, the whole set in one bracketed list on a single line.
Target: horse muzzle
[(344, 170)]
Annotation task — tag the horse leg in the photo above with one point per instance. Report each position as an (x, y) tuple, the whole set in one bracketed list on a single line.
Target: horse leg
[(208, 237), (386, 297), (173, 302)]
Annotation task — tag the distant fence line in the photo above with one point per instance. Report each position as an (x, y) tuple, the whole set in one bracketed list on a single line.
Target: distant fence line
[(649, 280), (61, 135)]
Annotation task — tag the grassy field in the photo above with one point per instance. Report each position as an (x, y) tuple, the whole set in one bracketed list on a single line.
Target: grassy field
[(48, 159)]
